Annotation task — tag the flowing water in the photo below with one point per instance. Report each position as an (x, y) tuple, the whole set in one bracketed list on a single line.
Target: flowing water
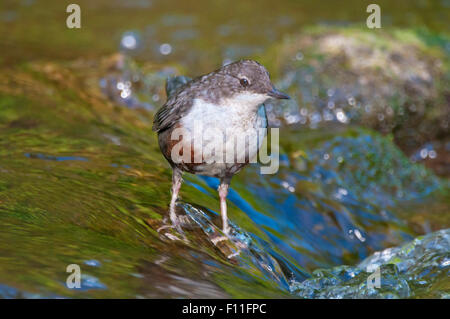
[(82, 180)]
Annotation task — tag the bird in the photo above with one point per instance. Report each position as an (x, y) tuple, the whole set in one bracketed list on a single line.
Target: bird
[(229, 103)]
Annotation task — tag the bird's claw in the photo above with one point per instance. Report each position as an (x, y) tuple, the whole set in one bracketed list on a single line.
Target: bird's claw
[(176, 224), (226, 230), (218, 239)]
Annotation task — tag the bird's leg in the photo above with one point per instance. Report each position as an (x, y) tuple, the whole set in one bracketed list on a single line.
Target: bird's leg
[(223, 192), (176, 185), (176, 221)]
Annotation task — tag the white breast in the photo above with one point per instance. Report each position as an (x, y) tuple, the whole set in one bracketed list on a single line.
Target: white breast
[(235, 120)]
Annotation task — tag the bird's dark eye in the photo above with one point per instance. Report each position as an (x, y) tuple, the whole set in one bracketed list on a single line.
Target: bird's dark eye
[(244, 82)]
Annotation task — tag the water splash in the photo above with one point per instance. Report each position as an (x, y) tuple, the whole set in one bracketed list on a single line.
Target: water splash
[(245, 249), (415, 269)]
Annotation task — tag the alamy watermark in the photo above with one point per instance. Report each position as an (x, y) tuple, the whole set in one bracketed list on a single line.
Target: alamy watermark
[(74, 279), (73, 21), (374, 280), (374, 19)]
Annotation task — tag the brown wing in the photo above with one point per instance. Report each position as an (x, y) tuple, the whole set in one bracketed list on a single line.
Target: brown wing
[(178, 104), (209, 87), (172, 111)]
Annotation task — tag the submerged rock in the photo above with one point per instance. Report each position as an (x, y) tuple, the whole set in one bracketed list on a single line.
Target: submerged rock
[(393, 81), (370, 167), (336, 191), (419, 269)]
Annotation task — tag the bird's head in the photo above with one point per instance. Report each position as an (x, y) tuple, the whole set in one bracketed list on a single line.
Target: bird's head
[(249, 81)]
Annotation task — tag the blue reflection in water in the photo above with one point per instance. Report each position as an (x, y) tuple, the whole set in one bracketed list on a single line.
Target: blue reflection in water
[(55, 158)]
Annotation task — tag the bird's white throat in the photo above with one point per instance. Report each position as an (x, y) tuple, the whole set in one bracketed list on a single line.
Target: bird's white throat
[(238, 111)]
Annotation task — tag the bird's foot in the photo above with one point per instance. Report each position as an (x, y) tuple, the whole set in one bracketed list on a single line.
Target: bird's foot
[(173, 235), (177, 227), (180, 220), (176, 224), (226, 245), (218, 239), (226, 235), (226, 230)]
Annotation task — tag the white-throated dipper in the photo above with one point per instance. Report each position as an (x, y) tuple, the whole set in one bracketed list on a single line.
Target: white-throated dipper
[(202, 122)]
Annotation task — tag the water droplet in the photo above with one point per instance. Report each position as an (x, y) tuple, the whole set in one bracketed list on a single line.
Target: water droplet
[(424, 153), (359, 235), (330, 92), (129, 41), (93, 263), (165, 49), (299, 56), (340, 115), (125, 93)]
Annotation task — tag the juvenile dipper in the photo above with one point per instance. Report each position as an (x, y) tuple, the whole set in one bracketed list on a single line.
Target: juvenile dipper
[(226, 102)]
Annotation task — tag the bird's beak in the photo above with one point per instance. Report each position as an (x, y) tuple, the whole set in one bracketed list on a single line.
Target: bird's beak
[(278, 94)]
